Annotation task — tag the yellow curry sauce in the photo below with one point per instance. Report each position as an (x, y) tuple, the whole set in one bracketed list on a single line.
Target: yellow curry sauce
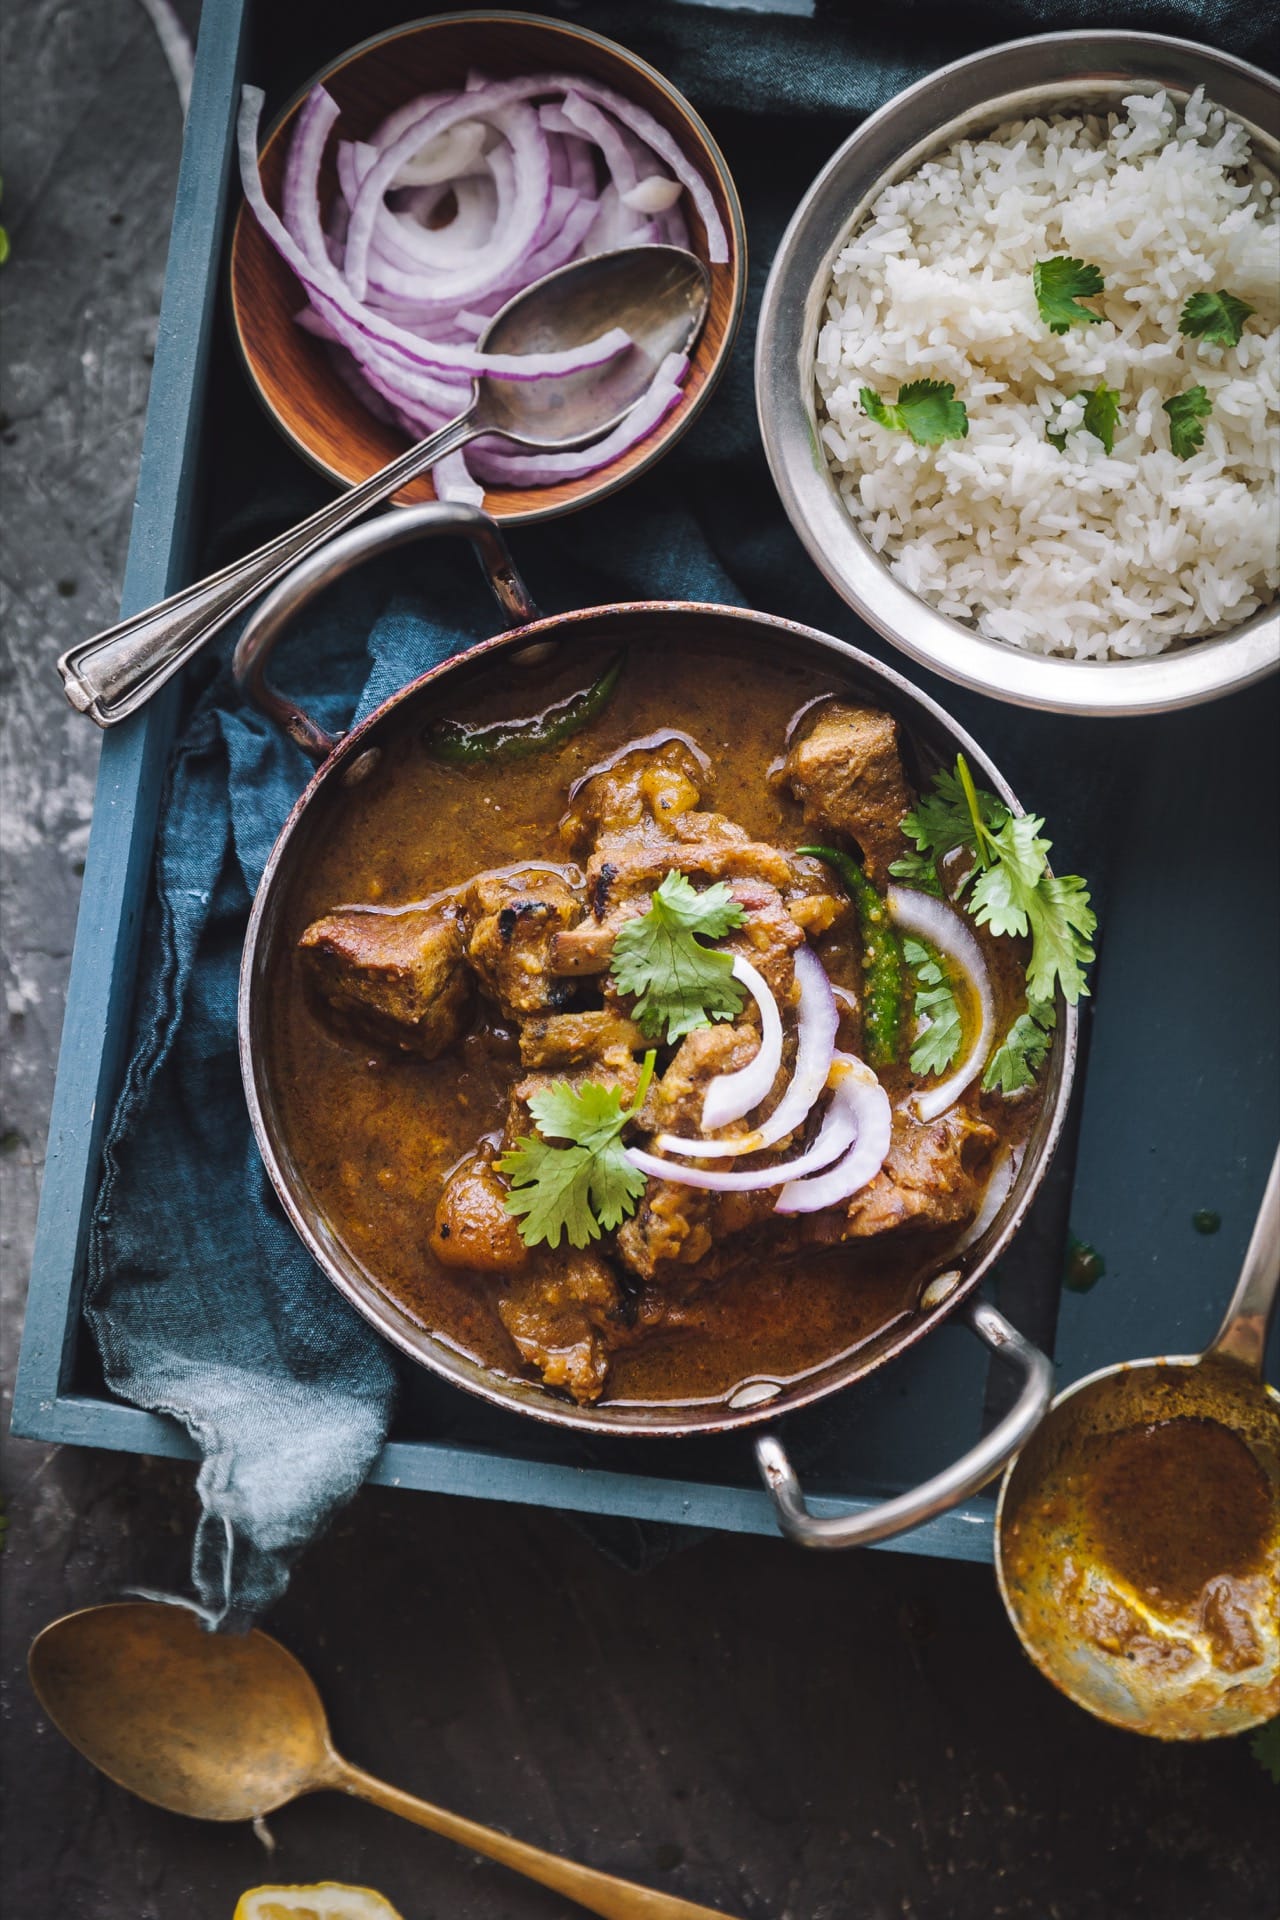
[(374, 1133)]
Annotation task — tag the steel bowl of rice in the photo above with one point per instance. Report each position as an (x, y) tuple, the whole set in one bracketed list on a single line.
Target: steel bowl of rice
[(1018, 372)]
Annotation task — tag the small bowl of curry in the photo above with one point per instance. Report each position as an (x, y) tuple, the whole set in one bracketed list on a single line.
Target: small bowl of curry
[(1138, 1534)]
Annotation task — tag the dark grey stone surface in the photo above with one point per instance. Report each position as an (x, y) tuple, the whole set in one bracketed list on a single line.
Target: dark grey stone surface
[(793, 1738)]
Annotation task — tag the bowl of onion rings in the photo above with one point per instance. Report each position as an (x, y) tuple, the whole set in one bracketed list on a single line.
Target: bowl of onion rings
[(414, 187)]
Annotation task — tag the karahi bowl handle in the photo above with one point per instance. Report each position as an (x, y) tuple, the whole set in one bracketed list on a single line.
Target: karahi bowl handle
[(320, 569), (946, 1489)]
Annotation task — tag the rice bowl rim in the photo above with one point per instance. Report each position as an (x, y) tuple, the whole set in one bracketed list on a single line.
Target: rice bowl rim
[(1051, 73)]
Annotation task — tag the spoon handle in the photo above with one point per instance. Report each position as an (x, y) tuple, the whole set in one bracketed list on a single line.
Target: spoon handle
[(113, 674), (1243, 1334), (599, 1893)]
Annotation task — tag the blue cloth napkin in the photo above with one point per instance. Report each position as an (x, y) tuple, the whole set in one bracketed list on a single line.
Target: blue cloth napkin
[(203, 1301)]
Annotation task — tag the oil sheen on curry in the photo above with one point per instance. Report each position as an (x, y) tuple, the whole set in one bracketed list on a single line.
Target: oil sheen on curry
[(609, 1082)]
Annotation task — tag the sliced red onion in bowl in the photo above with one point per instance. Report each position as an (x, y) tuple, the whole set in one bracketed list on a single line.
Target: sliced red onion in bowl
[(858, 1090), (934, 920), (817, 1019), (446, 158), (379, 338), (406, 287)]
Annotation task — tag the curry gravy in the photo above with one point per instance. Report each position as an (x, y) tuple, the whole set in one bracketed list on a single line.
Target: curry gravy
[(374, 1135), (1153, 1542)]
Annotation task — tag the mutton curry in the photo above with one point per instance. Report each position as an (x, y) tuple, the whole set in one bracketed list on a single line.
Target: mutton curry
[(539, 966)]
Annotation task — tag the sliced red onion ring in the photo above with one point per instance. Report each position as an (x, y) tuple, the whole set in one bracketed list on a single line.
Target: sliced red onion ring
[(452, 481), (502, 105), (623, 153), (730, 1095), (449, 157), (817, 1019), (300, 203), (999, 1186), (932, 919), (381, 336), (480, 101), (835, 1136), (408, 115), (860, 1093)]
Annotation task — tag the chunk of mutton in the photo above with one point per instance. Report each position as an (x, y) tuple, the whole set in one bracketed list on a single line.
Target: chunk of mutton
[(599, 1037), (512, 919), (619, 1070), (650, 785), (638, 818), (933, 1177), (625, 871), (677, 1225), (565, 1314), (847, 775), (398, 978), (699, 1059)]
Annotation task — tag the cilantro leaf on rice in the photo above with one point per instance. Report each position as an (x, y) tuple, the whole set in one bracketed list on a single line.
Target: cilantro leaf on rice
[(1061, 283), (926, 409), (1102, 413), (1216, 318), (1186, 411)]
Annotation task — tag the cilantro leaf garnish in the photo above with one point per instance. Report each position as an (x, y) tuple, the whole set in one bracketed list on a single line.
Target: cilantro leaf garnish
[(1010, 890), (926, 409), (1216, 318), (920, 869), (1062, 928), (1102, 414), (584, 1188), (1021, 1054), (940, 822), (938, 1043), (681, 984), (1100, 418), (1061, 283), (1186, 411)]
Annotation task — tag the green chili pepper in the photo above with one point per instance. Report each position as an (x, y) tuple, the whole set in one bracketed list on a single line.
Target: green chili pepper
[(464, 746), (882, 974)]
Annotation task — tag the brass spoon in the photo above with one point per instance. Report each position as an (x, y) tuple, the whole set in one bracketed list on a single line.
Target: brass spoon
[(1045, 1530), (659, 295), (224, 1727)]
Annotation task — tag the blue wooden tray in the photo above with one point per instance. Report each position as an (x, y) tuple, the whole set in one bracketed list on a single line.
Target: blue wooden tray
[(1177, 1110)]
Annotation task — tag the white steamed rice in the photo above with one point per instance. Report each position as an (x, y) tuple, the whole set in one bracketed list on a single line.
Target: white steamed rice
[(1080, 552)]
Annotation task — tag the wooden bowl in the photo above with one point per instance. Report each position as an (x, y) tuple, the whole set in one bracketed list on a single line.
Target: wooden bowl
[(292, 371)]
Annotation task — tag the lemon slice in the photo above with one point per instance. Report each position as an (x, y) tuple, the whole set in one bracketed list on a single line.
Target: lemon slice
[(330, 1900)]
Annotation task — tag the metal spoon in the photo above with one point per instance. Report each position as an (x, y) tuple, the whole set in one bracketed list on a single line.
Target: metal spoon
[(229, 1727), (1141, 1665), (659, 295)]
